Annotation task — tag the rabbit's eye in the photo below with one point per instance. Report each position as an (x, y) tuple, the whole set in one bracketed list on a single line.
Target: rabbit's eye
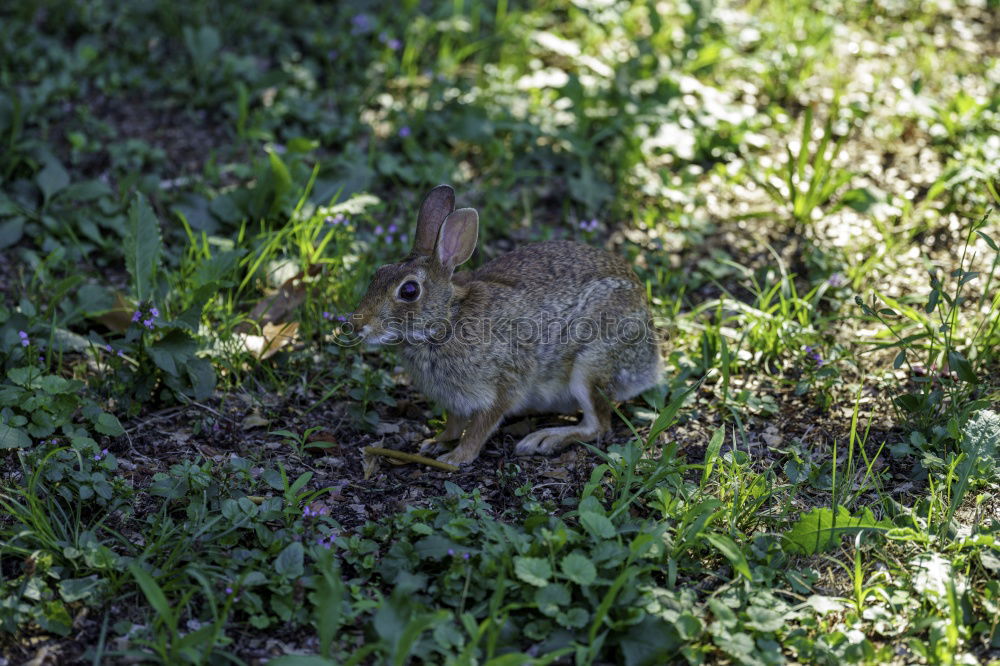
[(409, 291)]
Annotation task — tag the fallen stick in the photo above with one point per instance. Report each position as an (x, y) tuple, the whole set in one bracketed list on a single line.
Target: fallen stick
[(408, 457)]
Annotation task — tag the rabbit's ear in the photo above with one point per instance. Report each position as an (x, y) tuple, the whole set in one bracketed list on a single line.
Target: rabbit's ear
[(457, 238), (437, 205)]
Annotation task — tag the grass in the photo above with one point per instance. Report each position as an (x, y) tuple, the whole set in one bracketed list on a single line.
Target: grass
[(193, 196)]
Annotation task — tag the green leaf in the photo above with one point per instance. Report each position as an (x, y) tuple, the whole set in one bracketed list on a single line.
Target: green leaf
[(302, 660), (153, 593), (107, 424), (651, 641), (13, 438), (579, 569), (76, 589), (289, 562), (820, 529), (732, 552), (989, 241), (435, 546), (574, 618), (218, 270), (900, 359), (712, 452), (142, 247), (764, 619), (551, 598), (11, 231), (532, 570), (202, 375), (962, 367), (175, 349), (599, 526), (52, 179)]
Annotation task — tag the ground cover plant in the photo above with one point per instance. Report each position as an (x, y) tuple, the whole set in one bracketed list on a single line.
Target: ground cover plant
[(193, 196)]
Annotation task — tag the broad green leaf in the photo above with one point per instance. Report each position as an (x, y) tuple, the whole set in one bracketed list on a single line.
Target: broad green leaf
[(289, 561), (142, 247), (175, 349), (821, 529), (107, 424), (11, 231), (599, 526), (579, 569), (75, 589), (52, 179), (532, 570), (574, 618), (218, 270), (651, 641), (764, 619), (13, 438), (551, 598), (962, 367)]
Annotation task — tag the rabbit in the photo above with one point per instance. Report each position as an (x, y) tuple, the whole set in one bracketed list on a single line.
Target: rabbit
[(555, 326)]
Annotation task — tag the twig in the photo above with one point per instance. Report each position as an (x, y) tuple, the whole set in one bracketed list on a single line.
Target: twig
[(408, 457)]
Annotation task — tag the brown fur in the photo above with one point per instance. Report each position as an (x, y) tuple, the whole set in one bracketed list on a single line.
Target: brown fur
[(479, 369)]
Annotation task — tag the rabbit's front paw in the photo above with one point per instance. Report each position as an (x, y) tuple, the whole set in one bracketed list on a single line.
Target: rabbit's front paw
[(548, 440), (432, 447), (458, 456)]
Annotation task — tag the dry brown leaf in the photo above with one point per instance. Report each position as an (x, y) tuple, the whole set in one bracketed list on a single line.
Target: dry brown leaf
[(273, 338), (278, 306), (253, 421), (119, 317)]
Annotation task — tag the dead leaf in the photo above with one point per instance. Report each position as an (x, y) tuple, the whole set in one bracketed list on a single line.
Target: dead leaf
[(384, 428), (320, 442), (253, 420), (771, 436), (119, 317), (278, 306), (369, 465), (275, 336), (560, 474)]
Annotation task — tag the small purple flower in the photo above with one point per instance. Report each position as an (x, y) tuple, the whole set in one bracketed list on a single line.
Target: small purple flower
[(361, 23), (327, 315), (405, 131), (335, 219), (451, 552), (837, 280), (388, 239), (465, 556), (394, 44), (393, 228), (109, 349), (148, 323), (136, 316), (229, 590), (24, 338), (589, 225), (341, 318), (121, 354), (102, 455), (153, 312), (379, 230)]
